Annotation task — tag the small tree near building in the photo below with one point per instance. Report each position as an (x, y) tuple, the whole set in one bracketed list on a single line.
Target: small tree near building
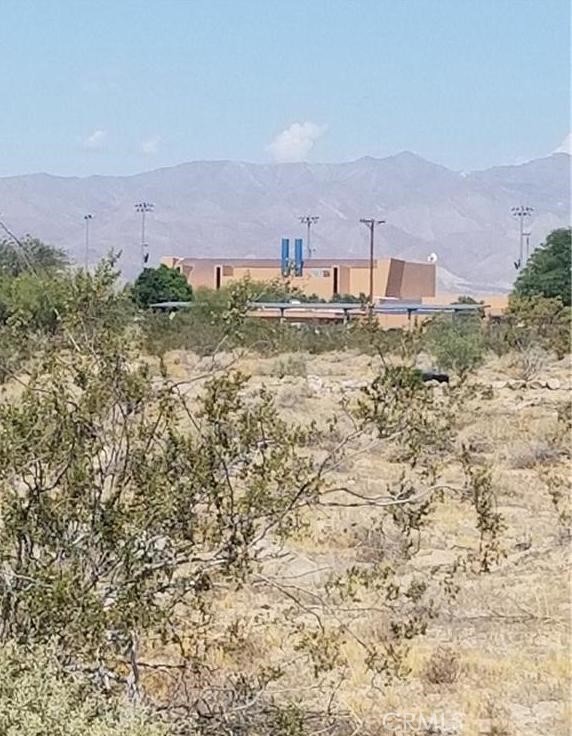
[(161, 284)]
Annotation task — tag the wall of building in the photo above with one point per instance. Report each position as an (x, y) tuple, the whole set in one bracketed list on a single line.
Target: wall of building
[(495, 303), (392, 277), (416, 278)]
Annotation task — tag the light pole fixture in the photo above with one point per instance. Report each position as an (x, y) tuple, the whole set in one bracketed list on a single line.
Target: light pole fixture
[(87, 218), (371, 222), (143, 208), (309, 220), (522, 212)]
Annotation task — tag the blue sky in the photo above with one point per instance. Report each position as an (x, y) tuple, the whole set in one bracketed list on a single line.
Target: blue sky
[(120, 86)]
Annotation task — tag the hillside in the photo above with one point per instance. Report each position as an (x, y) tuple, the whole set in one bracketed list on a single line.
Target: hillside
[(242, 209)]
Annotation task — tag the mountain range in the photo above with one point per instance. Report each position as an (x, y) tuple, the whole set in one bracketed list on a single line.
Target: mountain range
[(226, 208)]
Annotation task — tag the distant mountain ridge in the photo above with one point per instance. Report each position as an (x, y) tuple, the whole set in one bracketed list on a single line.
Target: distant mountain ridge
[(226, 208)]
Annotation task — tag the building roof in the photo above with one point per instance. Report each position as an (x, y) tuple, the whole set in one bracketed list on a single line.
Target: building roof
[(380, 308), (276, 262)]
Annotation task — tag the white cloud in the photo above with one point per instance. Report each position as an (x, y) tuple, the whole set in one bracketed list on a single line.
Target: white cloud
[(566, 145), (150, 146), (296, 142), (96, 141)]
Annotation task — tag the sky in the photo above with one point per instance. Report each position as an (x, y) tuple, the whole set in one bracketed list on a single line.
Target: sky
[(116, 87)]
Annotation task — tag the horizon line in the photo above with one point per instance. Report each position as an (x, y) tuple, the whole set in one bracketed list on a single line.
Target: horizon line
[(276, 164)]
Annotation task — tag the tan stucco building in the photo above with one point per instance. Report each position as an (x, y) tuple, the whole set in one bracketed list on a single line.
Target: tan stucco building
[(495, 304), (392, 277)]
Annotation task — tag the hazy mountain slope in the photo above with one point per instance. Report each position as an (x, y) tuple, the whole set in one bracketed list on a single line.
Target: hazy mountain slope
[(233, 208)]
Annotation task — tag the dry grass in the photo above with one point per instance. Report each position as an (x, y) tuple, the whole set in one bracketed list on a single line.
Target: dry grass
[(524, 455), (529, 363), (443, 667), (498, 655)]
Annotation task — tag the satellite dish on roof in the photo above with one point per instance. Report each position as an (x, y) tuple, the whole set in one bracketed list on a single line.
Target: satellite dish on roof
[(432, 258)]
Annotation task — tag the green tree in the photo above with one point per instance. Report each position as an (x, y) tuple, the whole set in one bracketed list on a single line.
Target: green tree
[(160, 284), (547, 273), (31, 255)]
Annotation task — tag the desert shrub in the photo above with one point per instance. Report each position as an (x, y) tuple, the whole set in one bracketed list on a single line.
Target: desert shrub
[(523, 456), (30, 255), (443, 667), (131, 508), (498, 336), (350, 298), (423, 426), (490, 522), (564, 414), (370, 542), (318, 338), (204, 329), (38, 696), (291, 365), (41, 307), (127, 507), (33, 302), (480, 443), (496, 718), (38, 303), (12, 354), (539, 321), (456, 343), (218, 320), (185, 330), (37, 287), (528, 362), (123, 530), (466, 299), (559, 491)]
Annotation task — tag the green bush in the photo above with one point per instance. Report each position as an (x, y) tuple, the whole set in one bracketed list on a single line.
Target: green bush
[(30, 256), (131, 508), (539, 321), (37, 698), (456, 343), (218, 321), (291, 365), (350, 298), (498, 336), (40, 308), (33, 300), (205, 328)]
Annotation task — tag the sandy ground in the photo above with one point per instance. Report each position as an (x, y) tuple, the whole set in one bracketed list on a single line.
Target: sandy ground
[(509, 629)]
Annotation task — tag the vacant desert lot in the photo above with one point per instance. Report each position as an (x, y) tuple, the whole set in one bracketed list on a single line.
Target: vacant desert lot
[(495, 659)]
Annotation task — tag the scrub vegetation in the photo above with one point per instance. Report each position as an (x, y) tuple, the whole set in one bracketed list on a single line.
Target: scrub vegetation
[(214, 526)]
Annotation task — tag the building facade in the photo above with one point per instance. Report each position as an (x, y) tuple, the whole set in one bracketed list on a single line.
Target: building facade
[(392, 277)]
